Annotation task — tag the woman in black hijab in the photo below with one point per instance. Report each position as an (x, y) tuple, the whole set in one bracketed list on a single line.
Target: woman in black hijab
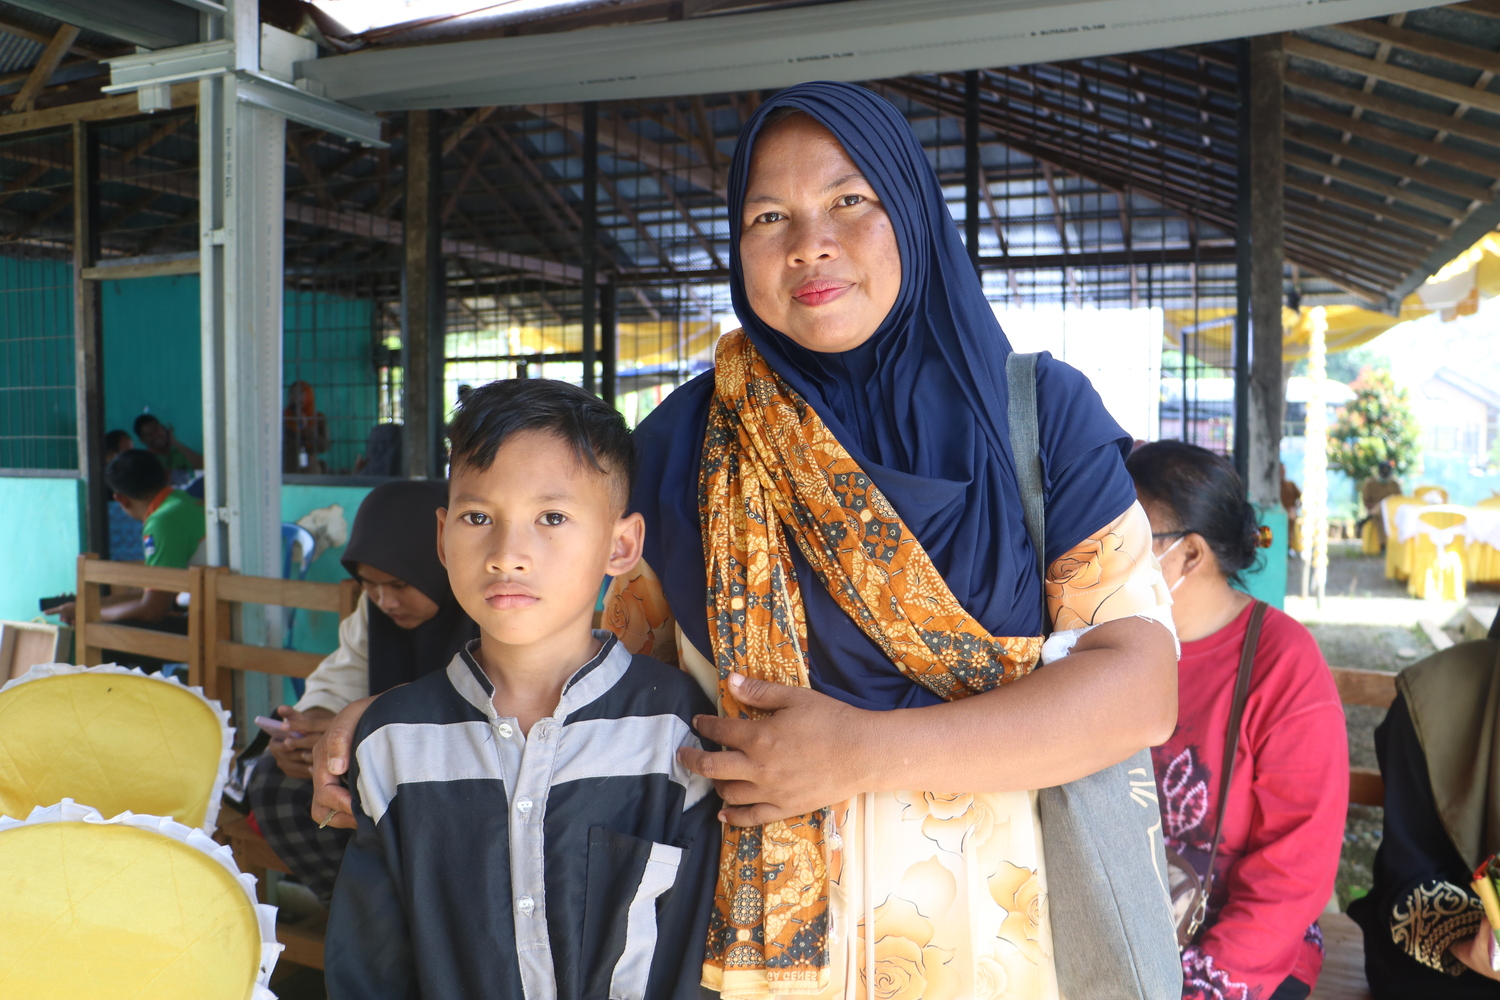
[(407, 624)]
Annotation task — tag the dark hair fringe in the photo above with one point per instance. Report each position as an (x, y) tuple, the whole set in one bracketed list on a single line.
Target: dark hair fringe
[(1206, 497), (136, 474), (490, 414)]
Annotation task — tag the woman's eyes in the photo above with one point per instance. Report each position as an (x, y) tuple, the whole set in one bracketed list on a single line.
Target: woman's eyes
[(475, 518), (767, 217), (845, 201), (552, 518)]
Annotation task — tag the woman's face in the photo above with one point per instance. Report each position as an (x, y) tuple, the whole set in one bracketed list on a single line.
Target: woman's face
[(819, 254), (404, 604)]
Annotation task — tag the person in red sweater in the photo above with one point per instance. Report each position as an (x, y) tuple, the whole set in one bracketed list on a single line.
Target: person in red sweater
[(1284, 817)]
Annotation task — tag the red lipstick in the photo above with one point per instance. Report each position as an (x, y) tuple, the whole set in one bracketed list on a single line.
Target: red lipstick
[(819, 291)]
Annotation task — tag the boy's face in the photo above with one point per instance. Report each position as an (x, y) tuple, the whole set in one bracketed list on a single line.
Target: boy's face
[(528, 541)]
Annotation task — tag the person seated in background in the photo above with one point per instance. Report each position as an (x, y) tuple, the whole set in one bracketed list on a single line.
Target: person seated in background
[(525, 827), (124, 530), (172, 534), (1439, 750), (1375, 489), (304, 431), (180, 461), (1291, 497), (1283, 813), (407, 623)]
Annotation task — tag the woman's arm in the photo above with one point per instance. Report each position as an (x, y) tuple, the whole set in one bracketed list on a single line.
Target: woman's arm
[(344, 674), (1113, 695)]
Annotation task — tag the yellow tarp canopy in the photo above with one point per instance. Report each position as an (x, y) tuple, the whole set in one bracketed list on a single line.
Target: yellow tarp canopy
[(1456, 290)]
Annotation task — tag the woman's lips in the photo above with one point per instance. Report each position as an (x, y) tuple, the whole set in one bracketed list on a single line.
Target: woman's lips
[(820, 291)]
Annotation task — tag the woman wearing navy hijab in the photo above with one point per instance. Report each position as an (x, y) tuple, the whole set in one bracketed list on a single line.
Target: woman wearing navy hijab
[(798, 499), (835, 547)]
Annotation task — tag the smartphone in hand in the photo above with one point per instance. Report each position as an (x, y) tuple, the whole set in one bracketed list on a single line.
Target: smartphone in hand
[(278, 728)]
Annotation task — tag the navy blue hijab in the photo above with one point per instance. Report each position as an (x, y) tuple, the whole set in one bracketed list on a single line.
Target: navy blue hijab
[(921, 406)]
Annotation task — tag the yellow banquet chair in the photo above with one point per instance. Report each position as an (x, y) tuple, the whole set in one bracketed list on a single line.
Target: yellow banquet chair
[(1484, 558), (134, 906), (1431, 493), (1397, 552), (118, 739), (1438, 567), (1369, 536)]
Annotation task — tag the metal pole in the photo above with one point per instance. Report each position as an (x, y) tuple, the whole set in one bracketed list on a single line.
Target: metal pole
[(1242, 269), (609, 335), (971, 166), (589, 236)]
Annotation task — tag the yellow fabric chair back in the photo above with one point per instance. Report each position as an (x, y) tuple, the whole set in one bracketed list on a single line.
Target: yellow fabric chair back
[(1397, 552), (115, 738), (1431, 494), (136, 906), (1438, 566)]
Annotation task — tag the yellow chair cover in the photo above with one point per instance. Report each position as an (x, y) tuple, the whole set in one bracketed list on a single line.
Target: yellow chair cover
[(1430, 494), (1484, 559), (135, 906), (1370, 536), (118, 739), (1438, 570), (1397, 552)]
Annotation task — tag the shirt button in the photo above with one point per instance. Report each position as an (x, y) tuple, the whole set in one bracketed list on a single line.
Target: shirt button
[(505, 730), (525, 904), (523, 806)]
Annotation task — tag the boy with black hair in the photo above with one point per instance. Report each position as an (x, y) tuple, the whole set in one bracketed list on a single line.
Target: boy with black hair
[(524, 827), (173, 530)]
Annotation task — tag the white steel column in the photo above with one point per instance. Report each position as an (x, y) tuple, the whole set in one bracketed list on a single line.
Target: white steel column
[(242, 192)]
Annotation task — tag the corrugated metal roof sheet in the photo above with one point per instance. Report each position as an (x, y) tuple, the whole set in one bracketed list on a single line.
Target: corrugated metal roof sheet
[(17, 53)]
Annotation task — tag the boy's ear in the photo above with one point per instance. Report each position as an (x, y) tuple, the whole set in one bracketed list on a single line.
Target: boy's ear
[(442, 518), (629, 541)]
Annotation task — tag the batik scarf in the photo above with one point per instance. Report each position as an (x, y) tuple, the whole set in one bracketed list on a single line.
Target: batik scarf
[(771, 467)]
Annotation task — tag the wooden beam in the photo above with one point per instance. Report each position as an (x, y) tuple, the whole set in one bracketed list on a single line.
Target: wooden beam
[(145, 269), (1391, 165), (119, 106), (625, 143), (1374, 186), (1457, 53), (422, 298), (88, 336), (89, 52), (1485, 8), (1377, 209), (1393, 109), (1420, 82), (46, 65)]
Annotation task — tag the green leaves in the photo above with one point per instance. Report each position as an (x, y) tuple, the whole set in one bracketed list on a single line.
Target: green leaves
[(1376, 426)]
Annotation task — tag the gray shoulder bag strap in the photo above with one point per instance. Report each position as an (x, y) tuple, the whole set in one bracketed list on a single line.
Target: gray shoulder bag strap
[(1113, 936)]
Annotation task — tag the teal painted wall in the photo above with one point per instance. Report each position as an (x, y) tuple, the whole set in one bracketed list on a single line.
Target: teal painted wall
[(329, 343), (152, 354), (1267, 578), (40, 531), (38, 422)]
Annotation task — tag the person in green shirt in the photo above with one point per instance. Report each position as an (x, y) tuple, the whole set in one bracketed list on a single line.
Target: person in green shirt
[(172, 533)]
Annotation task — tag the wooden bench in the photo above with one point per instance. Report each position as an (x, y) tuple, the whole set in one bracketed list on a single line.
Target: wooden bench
[(223, 655), (1376, 689), (95, 636)]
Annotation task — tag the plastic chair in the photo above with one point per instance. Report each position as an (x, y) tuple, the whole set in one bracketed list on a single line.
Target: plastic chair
[(293, 537), (123, 739), (133, 906), (1438, 566)]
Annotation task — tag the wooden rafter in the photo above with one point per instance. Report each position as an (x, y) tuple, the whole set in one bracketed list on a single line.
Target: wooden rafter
[(1411, 79), (1389, 164), (46, 65)]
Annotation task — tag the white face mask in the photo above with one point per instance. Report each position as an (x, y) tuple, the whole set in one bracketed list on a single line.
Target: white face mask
[(1163, 556)]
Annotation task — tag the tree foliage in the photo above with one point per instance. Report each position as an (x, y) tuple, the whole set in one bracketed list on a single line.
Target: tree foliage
[(1375, 426)]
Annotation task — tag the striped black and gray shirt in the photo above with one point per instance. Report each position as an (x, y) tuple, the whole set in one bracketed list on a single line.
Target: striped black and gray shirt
[(574, 863)]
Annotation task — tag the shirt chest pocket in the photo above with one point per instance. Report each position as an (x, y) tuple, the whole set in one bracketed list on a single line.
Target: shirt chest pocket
[(627, 877)]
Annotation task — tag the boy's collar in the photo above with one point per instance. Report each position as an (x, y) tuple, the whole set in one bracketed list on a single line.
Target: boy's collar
[(586, 684)]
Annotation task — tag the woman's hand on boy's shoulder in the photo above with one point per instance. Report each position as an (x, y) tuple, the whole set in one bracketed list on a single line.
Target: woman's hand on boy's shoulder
[(332, 803)]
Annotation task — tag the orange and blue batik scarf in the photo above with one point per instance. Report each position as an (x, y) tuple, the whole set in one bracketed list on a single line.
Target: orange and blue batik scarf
[(769, 464)]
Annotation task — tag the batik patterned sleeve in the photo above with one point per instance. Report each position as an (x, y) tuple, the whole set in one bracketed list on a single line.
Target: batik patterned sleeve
[(1431, 919), (636, 610)]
